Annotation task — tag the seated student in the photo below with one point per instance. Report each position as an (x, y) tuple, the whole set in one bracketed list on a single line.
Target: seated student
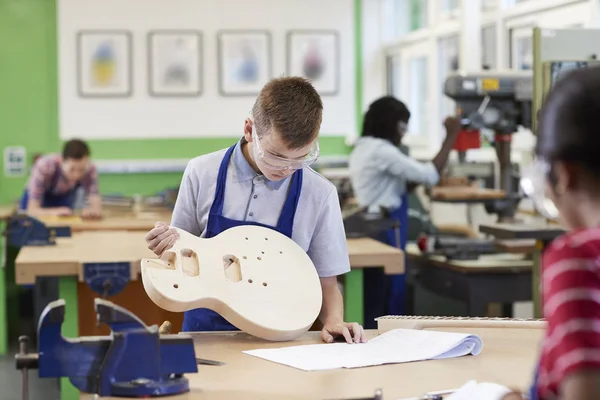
[(567, 176), (57, 180), (381, 176), (264, 179)]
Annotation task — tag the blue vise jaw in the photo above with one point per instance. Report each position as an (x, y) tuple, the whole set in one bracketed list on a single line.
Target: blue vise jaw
[(25, 230), (133, 361)]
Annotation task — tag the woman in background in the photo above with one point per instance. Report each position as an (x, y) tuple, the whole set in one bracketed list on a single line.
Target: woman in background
[(381, 176)]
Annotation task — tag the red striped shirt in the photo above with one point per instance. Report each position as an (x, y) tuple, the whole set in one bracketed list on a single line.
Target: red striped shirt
[(571, 298)]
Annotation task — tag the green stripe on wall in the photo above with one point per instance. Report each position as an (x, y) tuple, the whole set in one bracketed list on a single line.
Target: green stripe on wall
[(29, 104)]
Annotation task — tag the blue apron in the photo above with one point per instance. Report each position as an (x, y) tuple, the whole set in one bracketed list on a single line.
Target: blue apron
[(203, 319), (49, 198), (533, 395), (397, 283)]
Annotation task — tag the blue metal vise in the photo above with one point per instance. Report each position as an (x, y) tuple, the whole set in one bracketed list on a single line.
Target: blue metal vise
[(134, 361), (25, 230)]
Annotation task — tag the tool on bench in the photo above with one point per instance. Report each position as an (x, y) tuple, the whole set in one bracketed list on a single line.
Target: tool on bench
[(25, 230), (110, 365), (499, 102), (456, 248)]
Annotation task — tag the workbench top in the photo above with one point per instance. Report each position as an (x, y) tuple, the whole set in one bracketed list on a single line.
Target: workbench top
[(537, 231), (508, 358), (68, 255), (111, 222)]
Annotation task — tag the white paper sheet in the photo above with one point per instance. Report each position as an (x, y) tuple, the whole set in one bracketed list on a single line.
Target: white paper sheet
[(480, 391), (395, 346)]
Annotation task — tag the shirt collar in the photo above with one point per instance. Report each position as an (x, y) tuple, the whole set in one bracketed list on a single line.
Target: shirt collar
[(245, 172)]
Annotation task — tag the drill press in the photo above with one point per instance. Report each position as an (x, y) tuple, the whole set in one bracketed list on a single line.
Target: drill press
[(499, 102)]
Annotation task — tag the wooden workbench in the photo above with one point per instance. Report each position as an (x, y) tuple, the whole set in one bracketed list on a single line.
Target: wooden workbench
[(143, 221), (494, 278), (66, 259), (508, 358)]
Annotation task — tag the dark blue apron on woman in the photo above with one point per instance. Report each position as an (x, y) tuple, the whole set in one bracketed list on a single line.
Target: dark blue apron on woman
[(533, 395), (397, 283), (203, 319), (49, 198), (385, 294)]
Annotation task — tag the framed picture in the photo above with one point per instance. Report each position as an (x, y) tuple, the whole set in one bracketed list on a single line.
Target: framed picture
[(315, 55), (175, 63), (244, 59), (104, 64)]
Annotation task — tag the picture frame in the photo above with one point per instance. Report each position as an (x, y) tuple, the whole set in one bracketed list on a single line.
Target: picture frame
[(244, 61), (175, 63), (315, 55), (104, 63)]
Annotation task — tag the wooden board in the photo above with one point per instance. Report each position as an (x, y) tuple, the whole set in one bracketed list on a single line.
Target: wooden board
[(258, 279), (456, 193), (508, 358)]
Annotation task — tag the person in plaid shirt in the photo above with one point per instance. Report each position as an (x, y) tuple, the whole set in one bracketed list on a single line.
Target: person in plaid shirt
[(56, 181)]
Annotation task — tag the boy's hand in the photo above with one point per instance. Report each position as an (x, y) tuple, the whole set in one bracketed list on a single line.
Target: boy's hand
[(161, 238), (352, 332)]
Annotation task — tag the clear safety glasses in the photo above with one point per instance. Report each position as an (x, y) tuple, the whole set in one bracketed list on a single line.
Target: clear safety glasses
[(273, 161), (533, 183)]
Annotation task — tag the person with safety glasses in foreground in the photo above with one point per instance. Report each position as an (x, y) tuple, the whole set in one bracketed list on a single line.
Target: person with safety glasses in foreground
[(265, 179)]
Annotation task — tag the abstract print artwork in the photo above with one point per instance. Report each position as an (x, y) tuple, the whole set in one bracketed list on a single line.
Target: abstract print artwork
[(244, 62), (175, 63), (315, 56), (104, 63)]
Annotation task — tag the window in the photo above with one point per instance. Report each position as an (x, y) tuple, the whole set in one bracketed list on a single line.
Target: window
[(418, 14), (395, 15), (488, 47), (394, 77), (417, 99), (448, 57), (521, 48), (448, 6), (489, 5)]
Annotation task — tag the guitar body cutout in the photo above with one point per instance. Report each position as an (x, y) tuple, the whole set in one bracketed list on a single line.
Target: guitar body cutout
[(258, 279)]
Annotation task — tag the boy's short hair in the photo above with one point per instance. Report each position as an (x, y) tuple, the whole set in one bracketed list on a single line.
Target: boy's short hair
[(75, 149), (292, 107)]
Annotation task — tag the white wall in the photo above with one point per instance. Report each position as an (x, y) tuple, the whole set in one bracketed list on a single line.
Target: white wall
[(209, 115)]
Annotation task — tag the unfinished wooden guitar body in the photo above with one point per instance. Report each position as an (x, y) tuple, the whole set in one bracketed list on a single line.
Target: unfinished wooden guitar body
[(258, 279)]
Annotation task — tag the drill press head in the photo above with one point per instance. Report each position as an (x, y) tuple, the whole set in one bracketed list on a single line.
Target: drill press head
[(498, 101)]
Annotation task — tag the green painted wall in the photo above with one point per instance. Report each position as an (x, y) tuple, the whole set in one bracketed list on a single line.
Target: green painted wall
[(29, 105)]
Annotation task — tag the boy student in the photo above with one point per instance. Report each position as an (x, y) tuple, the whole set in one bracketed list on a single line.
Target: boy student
[(264, 179), (57, 181)]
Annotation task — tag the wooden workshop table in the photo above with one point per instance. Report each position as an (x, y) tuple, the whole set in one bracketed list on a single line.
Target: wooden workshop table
[(65, 261), (112, 221), (508, 358), (495, 278), (116, 221), (5, 212)]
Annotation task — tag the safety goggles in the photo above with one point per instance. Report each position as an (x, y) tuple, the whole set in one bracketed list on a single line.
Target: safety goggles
[(273, 161), (533, 183)]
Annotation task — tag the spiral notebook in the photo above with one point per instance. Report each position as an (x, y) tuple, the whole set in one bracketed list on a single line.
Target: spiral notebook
[(395, 346)]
